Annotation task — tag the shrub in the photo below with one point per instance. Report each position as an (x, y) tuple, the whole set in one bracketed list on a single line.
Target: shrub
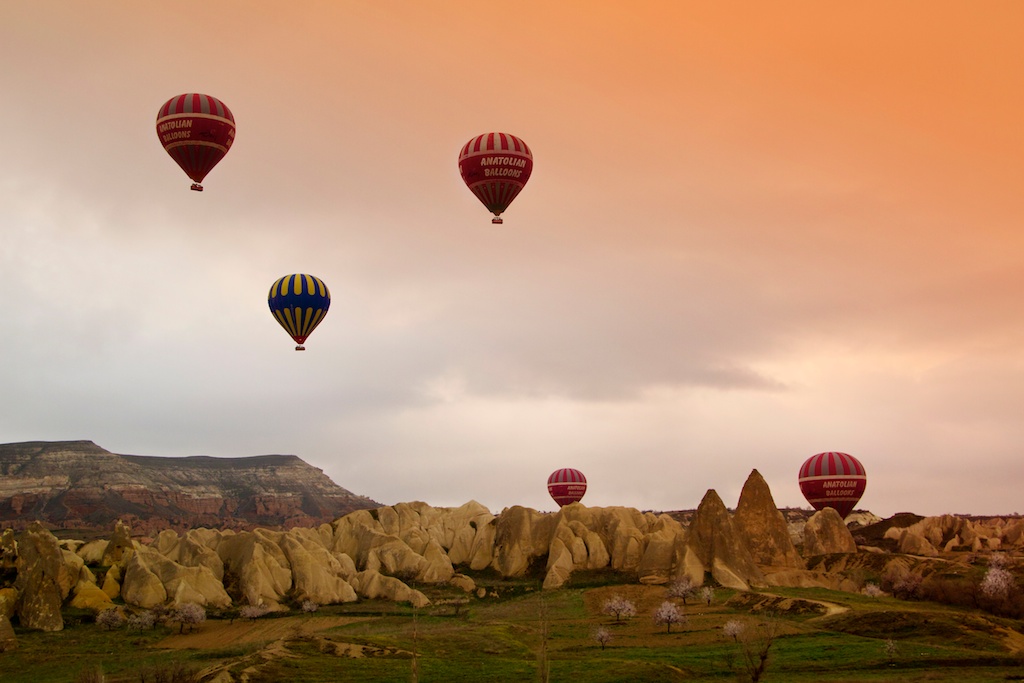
[(253, 612), (189, 614), (110, 618), (142, 621), (175, 673), (92, 675), (872, 590)]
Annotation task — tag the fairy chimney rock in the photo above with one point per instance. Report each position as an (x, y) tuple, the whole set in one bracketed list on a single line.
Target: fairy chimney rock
[(714, 541), (763, 527)]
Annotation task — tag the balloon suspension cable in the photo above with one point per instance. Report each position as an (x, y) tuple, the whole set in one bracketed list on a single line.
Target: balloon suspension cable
[(300, 347), (497, 220), (197, 187)]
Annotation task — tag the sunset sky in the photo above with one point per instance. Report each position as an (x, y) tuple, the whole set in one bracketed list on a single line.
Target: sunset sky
[(754, 232)]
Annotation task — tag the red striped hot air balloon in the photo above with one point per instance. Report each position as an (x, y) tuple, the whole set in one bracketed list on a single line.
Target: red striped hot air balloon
[(495, 166), (832, 479), (567, 486), (197, 131)]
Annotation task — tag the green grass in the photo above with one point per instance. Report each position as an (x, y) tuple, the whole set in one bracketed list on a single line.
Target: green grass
[(499, 638)]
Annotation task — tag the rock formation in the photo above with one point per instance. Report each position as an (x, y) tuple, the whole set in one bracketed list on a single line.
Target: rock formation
[(376, 553), (763, 527), (719, 547), (42, 578), (825, 533), (77, 484)]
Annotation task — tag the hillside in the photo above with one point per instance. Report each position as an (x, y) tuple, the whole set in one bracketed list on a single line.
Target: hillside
[(79, 485)]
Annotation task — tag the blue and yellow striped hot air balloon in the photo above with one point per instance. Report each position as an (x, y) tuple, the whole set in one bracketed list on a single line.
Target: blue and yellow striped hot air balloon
[(299, 302)]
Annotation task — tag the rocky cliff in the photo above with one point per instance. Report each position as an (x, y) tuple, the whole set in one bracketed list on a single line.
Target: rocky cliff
[(77, 484)]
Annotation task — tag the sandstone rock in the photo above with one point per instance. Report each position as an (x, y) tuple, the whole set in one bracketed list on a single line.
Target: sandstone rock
[(8, 549), (826, 533), (559, 566), (255, 560), (665, 546), (8, 602), (316, 573), (718, 547), (521, 535), (41, 573), (472, 532), (763, 528), (8, 641), (912, 543), (93, 551), (141, 586), (119, 547), (87, 595), (437, 566), (374, 585), (463, 582), (112, 582)]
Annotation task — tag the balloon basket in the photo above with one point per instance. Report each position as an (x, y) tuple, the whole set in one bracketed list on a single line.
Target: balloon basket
[(300, 348), (196, 187), (497, 220)]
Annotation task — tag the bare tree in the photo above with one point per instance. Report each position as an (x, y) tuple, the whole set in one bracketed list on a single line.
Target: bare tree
[(603, 636), (754, 645), (892, 649), (543, 665), (669, 614), (619, 607)]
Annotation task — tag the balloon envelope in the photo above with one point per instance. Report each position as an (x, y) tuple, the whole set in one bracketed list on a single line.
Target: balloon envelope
[(495, 166), (197, 131), (299, 302), (832, 479), (567, 486)]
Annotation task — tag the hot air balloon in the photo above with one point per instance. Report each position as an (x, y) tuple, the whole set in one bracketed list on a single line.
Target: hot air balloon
[(835, 480), (495, 166), (567, 486), (299, 302), (197, 131)]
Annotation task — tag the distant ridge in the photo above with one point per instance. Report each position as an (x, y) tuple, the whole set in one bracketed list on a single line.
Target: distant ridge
[(77, 484)]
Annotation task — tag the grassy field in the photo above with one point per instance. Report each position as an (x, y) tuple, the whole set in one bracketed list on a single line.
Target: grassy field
[(820, 636)]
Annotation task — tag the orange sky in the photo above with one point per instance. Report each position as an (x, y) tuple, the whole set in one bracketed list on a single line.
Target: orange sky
[(752, 233)]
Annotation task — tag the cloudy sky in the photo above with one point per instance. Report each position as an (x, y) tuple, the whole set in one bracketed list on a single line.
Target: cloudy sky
[(754, 232)]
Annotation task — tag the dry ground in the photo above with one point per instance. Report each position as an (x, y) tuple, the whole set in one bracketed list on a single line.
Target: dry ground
[(221, 634)]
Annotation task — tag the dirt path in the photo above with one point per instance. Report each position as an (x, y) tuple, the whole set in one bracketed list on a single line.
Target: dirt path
[(1013, 640), (218, 634)]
